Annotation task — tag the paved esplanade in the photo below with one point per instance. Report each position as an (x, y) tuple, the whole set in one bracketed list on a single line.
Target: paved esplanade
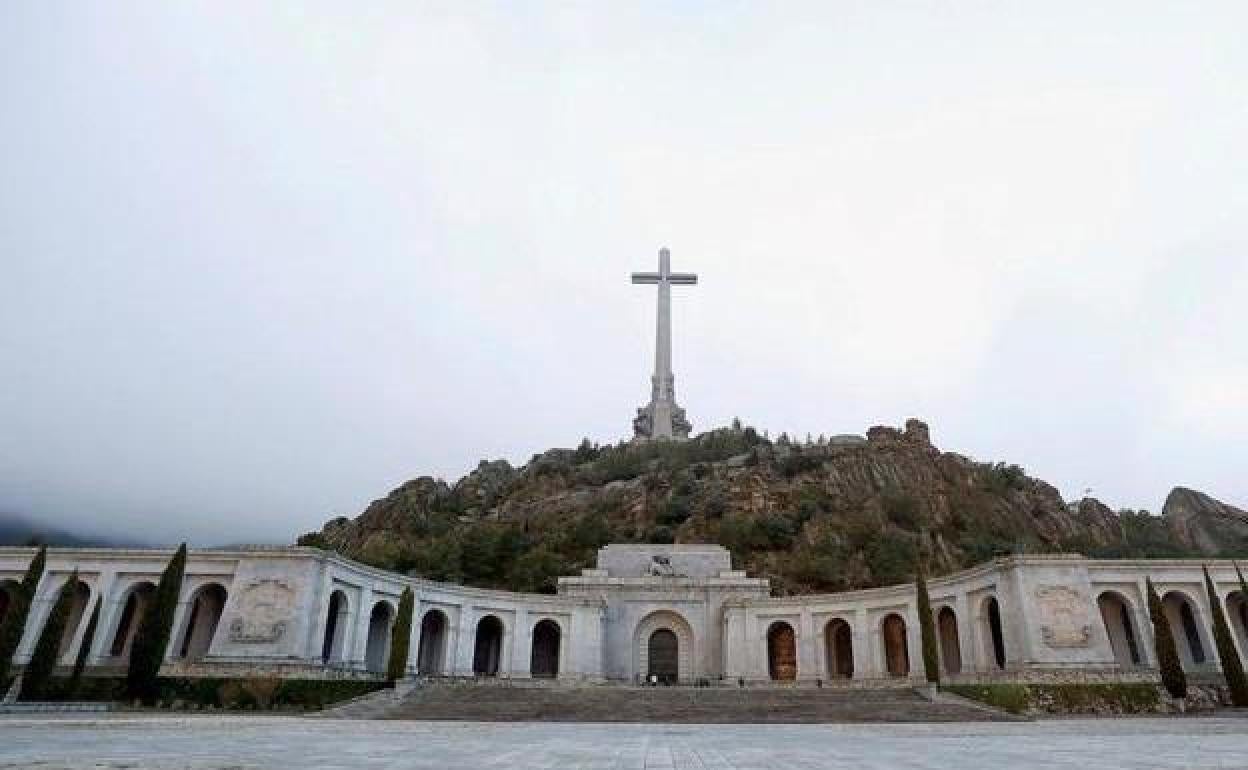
[(279, 742), (662, 418)]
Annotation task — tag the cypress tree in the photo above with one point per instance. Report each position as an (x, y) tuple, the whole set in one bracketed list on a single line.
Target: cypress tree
[(1232, 667), (88, 637), (43, 662), (15, 619), (401, 637), (927, 630), (155, 627), (1172, 675)]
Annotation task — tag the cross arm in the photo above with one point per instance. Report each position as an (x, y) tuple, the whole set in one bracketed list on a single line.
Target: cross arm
[(683, 279), (646, 278)]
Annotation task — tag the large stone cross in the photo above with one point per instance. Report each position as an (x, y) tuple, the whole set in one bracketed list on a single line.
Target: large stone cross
[(662, 418)]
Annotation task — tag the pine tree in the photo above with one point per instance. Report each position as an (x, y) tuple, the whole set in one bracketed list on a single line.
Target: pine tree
[(401, 637), (15, 619), (1232, 667), (1172, 675), (88, 638), (38, 673), (155, 627), (927, 630)]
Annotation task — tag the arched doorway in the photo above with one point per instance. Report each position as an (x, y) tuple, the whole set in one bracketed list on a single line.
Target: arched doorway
[(664, 657), (377, 650), (1181, 612), (1119, 623), (544, 661), (207, 604), (781, 652), (137, 598), (678, 656), (8, 593), (995, 639), (950, 647), (896, 651), (1237, 617), (78, 608), (488, 651), (431, 653), (839, 641), (333, 646)]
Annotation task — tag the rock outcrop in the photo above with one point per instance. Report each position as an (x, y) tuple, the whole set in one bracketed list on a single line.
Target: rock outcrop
[(1206, 525), (817, 515)]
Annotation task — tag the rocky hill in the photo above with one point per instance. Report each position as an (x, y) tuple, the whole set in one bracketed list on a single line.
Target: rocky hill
[(823, 515)]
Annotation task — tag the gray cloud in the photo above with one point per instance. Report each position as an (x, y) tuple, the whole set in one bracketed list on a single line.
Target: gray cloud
[(260, 263)]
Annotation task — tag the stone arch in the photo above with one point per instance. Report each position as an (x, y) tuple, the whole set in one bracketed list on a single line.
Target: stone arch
[(487, 650), (333, 646), (544, 659), (206, 607), (377, 649), (1237, 618), (77, 610), (781, 652), (839, 649), (896, 649), (992, 633), (675, 623), (431, 652), (8, 593), (137, 598), (1184, 616), (950, 646), (1118, 615)]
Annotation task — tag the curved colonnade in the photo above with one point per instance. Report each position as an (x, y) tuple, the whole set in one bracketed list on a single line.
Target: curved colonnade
[(300, 611)]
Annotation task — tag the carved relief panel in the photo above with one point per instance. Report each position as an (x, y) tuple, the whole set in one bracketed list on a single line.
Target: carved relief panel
[(1063, 614), (266, 607)]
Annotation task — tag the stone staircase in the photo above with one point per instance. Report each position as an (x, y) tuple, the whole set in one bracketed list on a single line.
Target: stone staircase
[(470, 701)]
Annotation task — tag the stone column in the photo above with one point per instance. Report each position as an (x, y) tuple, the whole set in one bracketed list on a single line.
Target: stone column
[(37, 615), (1144, 625), (105, 583), (466, 640), (864, 650), (914, 643), (807, 666), (179, 620), (966, 634), (359, 640), (522, 645), (315, 645)]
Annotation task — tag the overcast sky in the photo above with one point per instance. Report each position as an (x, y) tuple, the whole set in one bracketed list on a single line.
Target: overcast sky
[(262, 262)]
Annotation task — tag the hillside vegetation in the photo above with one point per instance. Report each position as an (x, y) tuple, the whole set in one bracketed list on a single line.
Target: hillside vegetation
[(826, 515)]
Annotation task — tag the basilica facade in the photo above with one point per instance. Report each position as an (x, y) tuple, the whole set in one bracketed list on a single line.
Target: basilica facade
[(662, 614)]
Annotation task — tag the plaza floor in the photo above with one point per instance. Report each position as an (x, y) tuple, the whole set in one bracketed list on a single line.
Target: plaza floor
[(118, 741)]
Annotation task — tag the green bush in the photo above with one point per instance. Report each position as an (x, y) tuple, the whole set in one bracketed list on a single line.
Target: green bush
[(401, 637), (1232, 667), (147, 652), (1013, 698), (927, 630), (39, 671), (15, 619), (219, 692), (1172, 675)]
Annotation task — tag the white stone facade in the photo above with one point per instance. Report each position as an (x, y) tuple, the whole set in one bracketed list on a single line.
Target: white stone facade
[(674, 612)]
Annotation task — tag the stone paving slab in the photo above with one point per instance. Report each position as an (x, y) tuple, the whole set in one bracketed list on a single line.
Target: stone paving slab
[(243, 743)]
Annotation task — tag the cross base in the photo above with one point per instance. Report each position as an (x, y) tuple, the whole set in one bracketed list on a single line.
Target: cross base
[(661, 419)]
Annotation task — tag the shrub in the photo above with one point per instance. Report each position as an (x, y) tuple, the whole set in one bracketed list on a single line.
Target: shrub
[(1232, 667), (401, 637), (1013, 698), (15, 619), (1172, 675), (927, 630), (48, 648), (155, 626), (261, 689)]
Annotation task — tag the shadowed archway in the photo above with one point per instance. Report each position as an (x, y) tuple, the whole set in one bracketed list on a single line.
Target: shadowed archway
[(544, 660), (839, 641)]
